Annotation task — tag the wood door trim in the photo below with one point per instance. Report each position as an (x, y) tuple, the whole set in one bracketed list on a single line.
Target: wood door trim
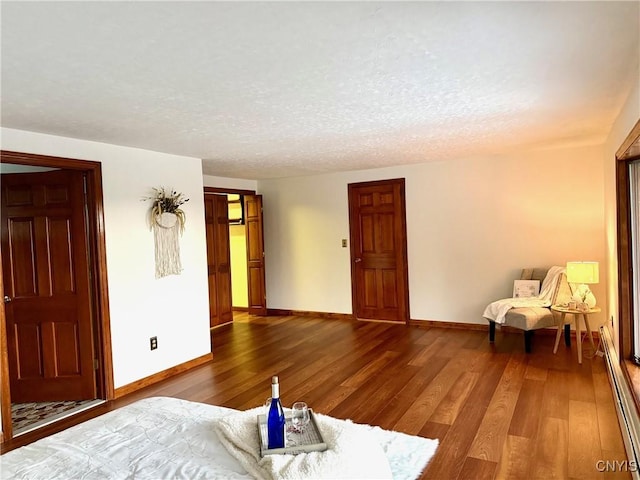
[(631, 145), (100, 292), (103, 343), (216, 190), (47, 161)]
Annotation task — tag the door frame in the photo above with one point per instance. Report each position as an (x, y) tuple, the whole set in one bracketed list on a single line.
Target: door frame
[(403, 299), (99, 287), (220, 191)]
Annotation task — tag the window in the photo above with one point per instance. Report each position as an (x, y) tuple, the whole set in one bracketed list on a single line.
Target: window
[(628, 212)]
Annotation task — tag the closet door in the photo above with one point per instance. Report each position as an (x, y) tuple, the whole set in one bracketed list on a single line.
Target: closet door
[(218, 259), (255, 255)]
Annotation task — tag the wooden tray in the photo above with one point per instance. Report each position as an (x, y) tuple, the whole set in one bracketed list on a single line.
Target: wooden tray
[(309, 441)]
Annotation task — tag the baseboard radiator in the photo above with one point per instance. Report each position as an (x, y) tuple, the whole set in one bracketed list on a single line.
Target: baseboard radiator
[(625, 405)]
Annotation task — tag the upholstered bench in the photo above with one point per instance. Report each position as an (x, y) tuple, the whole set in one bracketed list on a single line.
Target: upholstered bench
[(533, 318)]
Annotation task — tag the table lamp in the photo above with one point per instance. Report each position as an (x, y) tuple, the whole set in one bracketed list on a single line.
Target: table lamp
[(583, 274)]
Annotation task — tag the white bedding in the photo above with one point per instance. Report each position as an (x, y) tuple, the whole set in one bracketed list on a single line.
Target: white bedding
[(163, 438), (352, 451)]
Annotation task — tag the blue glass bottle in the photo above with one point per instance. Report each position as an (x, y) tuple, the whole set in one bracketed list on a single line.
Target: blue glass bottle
[(275, 417)]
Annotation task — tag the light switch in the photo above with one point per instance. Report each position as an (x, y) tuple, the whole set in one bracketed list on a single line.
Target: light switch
[(344, 243)]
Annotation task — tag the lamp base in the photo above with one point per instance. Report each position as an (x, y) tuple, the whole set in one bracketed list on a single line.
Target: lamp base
[(584, 294)]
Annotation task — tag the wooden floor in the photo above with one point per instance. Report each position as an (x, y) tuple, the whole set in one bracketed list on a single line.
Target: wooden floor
[(498, 412)]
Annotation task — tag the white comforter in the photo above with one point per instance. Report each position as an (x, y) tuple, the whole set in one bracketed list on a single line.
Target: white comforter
[(163, 438)]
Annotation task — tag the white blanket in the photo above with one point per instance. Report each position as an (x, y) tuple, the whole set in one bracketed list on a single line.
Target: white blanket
[(352, 452), (497, 310), (167, 438)]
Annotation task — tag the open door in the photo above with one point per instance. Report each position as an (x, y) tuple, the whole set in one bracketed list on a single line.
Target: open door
[(218, 259), (255, 255), (379, 272), (47, 288)]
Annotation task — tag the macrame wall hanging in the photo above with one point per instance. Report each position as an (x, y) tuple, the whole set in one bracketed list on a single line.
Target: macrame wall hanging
[(167, 221)]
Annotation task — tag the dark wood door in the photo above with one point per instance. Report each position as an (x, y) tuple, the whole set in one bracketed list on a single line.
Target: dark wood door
[(218, 259), (46, 283), (255, 255), (377, 224)]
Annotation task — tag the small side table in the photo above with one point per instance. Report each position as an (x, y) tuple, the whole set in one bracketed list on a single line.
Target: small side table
[(576, 313)]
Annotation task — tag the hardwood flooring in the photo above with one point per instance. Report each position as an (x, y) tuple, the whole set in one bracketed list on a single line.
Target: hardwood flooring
[(498, 412)]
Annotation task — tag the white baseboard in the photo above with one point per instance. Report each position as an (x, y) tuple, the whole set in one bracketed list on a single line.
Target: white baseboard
[(625, 405)]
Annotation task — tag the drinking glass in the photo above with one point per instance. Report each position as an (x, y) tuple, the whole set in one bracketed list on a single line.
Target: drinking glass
[(299, 416)]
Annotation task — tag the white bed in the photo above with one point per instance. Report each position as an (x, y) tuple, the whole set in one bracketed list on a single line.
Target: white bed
[(162, 438)]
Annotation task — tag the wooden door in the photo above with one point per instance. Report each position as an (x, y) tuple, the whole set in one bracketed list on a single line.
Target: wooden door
[(46, 286), (218, 259), (379, 273), (255, 255)]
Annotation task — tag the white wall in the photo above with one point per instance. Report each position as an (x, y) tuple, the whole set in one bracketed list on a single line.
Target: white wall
[(174, 308), (231, 183), (628, 117), (471, 225)]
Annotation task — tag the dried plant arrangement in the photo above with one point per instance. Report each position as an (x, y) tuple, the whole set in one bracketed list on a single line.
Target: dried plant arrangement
[(167, 201)]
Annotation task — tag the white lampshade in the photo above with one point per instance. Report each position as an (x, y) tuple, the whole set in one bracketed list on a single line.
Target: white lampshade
[(582, 272)]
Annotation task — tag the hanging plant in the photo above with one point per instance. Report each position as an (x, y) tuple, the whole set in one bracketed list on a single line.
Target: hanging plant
[(166, 201)]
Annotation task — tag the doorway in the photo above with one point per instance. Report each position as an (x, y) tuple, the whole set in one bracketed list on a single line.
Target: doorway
[(235, 253), (54, 338), (379, 267)]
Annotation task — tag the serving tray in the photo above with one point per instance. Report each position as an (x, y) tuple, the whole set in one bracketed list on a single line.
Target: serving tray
[(308, 441)]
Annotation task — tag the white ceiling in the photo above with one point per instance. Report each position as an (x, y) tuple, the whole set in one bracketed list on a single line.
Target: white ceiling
[(261, 90)]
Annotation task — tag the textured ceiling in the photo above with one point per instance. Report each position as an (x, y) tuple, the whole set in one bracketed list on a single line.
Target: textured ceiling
[(260, 90)]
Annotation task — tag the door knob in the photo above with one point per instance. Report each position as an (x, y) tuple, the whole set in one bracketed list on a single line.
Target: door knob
[(7, 299), (358, 260)]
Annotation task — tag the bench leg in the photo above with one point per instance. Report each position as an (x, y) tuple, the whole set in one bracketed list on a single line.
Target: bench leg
[(492, 331), (528, 334), (567, 335)]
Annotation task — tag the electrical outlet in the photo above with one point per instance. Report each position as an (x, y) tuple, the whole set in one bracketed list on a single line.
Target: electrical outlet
[(344, 243), (153, 343)]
